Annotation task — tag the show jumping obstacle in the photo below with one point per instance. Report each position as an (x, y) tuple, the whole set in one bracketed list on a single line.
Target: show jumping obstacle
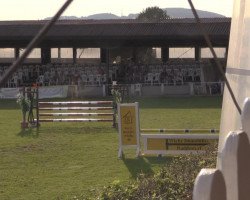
[(177, 141), (31, 94), (80, 109)]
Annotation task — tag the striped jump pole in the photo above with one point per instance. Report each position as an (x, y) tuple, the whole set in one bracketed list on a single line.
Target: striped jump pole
[(72, 111), (179, 131), (76, 120), (75, 103), (76, 114), (76, 108), (31, 93)]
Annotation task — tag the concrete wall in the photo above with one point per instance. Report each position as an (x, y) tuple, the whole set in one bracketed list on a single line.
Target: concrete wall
[(98, 91), (176, 90), (90, 91), (151, 90), (164, 90)]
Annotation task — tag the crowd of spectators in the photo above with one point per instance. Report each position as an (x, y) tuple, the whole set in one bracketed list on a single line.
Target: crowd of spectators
[(94, 74), (169, 73), (56, 74)]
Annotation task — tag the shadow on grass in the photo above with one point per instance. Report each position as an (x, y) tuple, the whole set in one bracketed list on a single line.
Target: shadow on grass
[(30, 132), (158, 160), (144, 164)]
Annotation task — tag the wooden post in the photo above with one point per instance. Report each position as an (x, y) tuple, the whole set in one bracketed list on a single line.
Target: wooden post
[(37, 108), (24, 124), (115, 113)]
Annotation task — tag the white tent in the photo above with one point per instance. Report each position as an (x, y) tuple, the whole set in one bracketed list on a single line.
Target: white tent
[(238, 68)]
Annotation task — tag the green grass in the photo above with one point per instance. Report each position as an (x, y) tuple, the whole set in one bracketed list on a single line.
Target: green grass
[(181, 112), (61, 160)]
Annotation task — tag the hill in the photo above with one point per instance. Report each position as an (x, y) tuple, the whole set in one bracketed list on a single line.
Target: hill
[(187, 13), (172, 12)]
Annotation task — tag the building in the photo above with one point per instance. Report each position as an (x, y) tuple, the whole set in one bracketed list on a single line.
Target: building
[(97, 52)]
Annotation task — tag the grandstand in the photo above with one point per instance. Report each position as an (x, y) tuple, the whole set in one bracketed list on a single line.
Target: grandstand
[(60, 60)]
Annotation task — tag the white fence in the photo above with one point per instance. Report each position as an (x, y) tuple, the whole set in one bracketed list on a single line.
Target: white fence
[(63, 91), (44, 92)]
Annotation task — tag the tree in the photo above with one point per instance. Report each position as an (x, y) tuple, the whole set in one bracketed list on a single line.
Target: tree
[(153, 14), (150, 14)]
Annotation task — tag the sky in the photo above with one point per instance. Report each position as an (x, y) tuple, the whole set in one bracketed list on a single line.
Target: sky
[(40, 9)]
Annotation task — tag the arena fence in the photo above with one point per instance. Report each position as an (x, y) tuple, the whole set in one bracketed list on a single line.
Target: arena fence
[(74, 111)]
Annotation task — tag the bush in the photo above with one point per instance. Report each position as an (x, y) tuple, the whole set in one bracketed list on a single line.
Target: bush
[(173, 181), (23, 102)]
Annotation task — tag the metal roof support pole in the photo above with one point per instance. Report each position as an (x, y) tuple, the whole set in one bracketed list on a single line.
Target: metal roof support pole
[(134, 55), (197, 53), (45, 55), (74, 55), (103, 56), (59, 53), (107, 65), (164, 54), (17, 53)]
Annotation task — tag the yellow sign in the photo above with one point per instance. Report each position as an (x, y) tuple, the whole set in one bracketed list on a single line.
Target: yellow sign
[(178, 144), (187, 141), (156, 144), (128, 125)]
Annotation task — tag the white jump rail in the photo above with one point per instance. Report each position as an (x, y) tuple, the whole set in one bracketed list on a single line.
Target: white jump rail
[(76, 114), (75, 103), (79, 108), (76, 120), (76, 108)]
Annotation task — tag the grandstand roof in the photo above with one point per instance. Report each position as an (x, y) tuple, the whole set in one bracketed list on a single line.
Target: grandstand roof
[(110, 33)]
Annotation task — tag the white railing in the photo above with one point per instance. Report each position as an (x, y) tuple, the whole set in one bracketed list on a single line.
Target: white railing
[(131, 89), (231, 179)]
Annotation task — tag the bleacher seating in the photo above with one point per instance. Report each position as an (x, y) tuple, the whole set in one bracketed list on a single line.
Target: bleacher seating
[(172, 73)]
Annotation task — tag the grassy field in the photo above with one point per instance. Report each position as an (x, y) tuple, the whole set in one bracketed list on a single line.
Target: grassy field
[(61, 160)]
